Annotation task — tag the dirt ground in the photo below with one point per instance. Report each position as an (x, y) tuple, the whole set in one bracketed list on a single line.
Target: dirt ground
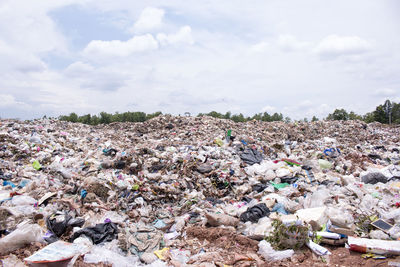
[(229, 248)]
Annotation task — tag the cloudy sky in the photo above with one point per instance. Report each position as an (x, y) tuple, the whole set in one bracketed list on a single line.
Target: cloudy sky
[(301, 58)]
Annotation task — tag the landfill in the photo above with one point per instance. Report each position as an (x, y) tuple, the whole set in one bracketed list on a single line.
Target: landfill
[(199, 191)]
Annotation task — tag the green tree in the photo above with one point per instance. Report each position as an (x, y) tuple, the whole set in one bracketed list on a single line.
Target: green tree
[(105, 117), (73, 117), (354, 116), (215, 114), (85, 119), (380, 115), (238, 118), (266, 117), (228, 115), (339, 115), (396, 113), (277, 117), (313, 119)]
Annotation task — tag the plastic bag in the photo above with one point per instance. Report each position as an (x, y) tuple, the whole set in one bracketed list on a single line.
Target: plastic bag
[(24, 234), (269, 254), (340, 217), (254, 213), (103, 232), (12, 261), (251, 156), (317, 199), (324, 164), (100, 254), (57, 252), (180, 255), (23, 200)]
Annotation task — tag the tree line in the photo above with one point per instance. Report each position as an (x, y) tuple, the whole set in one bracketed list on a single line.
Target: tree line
[(105, 118), (387, 113)]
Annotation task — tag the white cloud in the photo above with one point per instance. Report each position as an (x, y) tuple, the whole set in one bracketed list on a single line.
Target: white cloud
[(89, 77), (260, 47), (333, 46), (78, 68), (151, 18), (184, 35), (385, 92), (8, 100), (308, 109), (305, 104), (119, 48), (288, 42), (268, 109)]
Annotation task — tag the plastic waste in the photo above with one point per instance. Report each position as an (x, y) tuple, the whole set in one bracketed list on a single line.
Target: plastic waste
[(378, 234), (254, 213), (56, 252), (36, 165), (317, 249), (180, 255), (103, 232), (340, 217), (23, 200), (162, 253), (279, 185), (314, 216), (280, 208), (269, 254), (58, 223), (100, 254), (5, 183), (251, 156), (24, 234), (12, 261), (374, 178), (324, 164), (317, 199), (381, 247)]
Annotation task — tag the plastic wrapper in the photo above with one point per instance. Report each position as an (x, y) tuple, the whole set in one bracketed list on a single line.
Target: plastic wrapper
[(381, 247)]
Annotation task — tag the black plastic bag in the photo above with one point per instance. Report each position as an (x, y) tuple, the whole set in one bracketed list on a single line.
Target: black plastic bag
[(374, 178), (103, 232), (251, 156), (255, 213)]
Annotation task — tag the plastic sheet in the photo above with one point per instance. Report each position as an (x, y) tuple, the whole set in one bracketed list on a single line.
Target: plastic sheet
[(269, 254), (24, 234)]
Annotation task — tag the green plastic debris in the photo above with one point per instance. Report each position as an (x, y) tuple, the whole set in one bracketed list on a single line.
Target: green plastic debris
[(279, 186), (135, 187), (36, 165), (324, 164), (376, 195)]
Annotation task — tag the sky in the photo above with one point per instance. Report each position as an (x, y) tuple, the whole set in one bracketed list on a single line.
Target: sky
[(298, 58)]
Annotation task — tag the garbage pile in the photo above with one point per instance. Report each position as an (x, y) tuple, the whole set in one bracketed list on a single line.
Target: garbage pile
[(197, 191)]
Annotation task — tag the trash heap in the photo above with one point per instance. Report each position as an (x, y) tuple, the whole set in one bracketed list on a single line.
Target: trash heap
[(198, 191)]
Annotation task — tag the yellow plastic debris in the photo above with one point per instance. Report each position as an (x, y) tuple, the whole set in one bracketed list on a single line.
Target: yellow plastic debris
[(219, 142), (162, 253)]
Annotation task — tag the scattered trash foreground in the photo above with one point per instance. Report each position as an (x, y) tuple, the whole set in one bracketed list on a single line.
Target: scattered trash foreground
[(185, 191)]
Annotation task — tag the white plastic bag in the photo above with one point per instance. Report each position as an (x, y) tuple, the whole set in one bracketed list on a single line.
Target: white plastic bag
[(23, 200), (24, 234), (269, 254), (340, 217)]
